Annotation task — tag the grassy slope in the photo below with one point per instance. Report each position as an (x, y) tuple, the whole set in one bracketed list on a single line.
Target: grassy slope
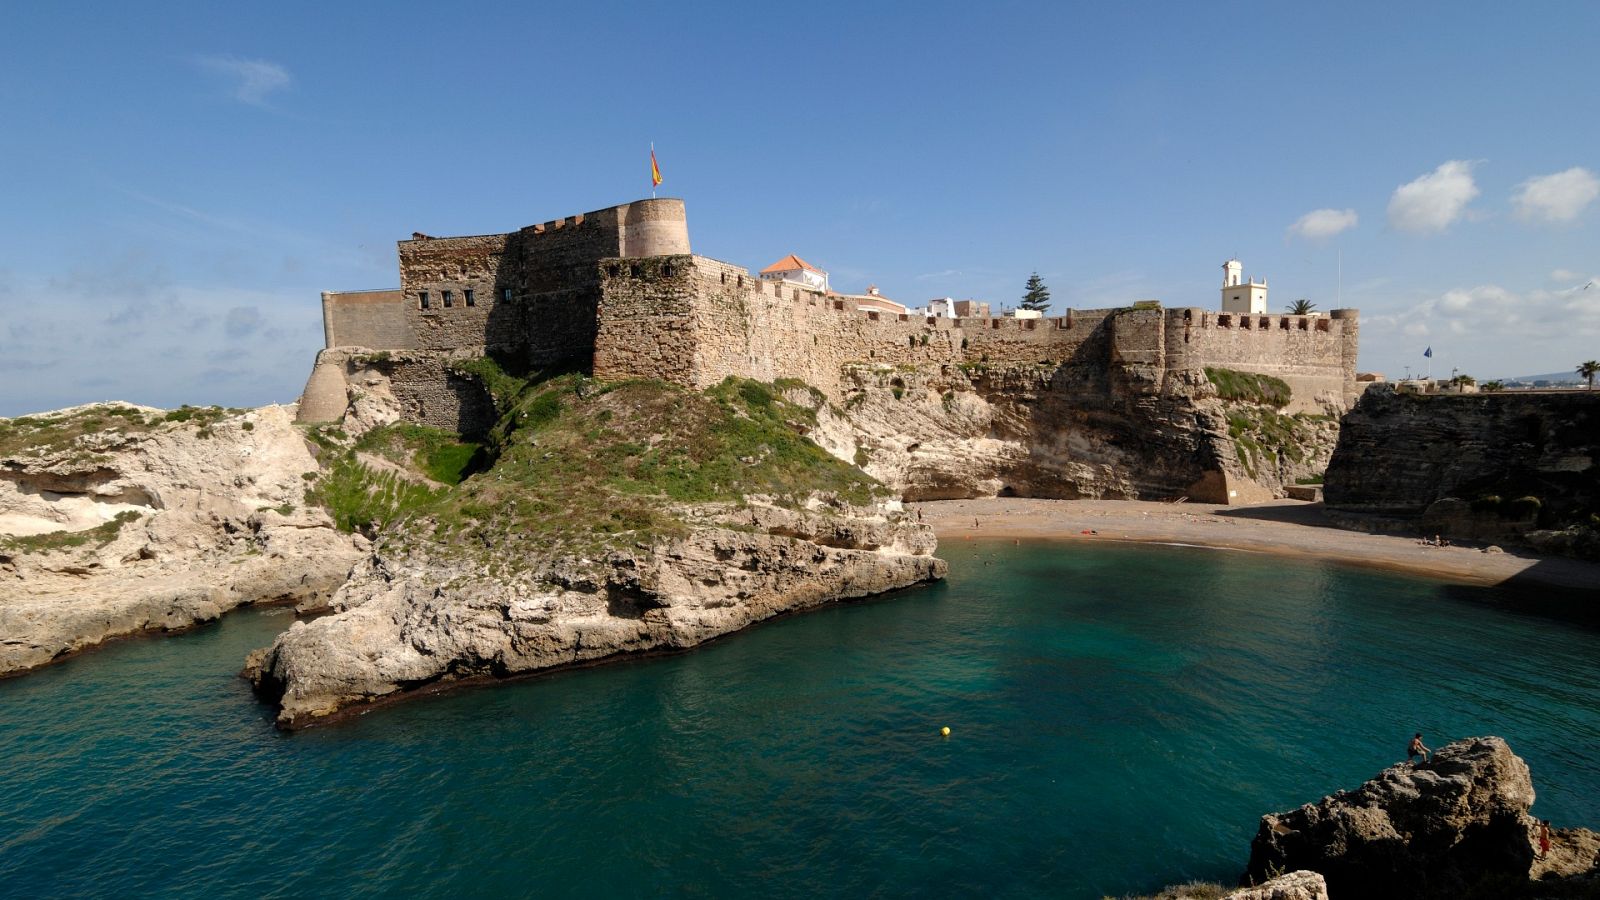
[(578, 466)]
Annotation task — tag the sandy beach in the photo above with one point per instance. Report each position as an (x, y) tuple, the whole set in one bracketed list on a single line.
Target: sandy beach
[(1287, 527)]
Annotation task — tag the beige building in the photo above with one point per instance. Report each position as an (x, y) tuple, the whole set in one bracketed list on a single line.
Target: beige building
[(1240, 296), (874, 301)]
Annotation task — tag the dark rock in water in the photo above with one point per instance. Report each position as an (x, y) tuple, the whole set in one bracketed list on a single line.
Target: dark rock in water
[(1455, 824)]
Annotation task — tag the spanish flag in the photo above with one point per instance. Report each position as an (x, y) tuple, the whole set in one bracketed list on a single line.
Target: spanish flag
[(655, 170)]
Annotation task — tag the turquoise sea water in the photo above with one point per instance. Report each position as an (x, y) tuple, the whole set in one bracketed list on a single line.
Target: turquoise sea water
[(1120, 718)]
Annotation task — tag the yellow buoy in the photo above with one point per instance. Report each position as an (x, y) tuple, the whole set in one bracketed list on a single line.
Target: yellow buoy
[(945, 731)]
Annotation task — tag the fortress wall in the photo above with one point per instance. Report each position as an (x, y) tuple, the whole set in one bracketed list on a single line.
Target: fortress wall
[(365, 319), (1310, 353), (458, 264), (432, 395), (646, 324), (535, 290), (717, 320)]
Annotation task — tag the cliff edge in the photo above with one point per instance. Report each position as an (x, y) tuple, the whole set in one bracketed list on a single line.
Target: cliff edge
[(604, 519), (1518, 467), (117, 519)]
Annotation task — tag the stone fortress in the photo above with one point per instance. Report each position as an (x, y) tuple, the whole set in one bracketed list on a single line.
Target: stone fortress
[(619, 293)]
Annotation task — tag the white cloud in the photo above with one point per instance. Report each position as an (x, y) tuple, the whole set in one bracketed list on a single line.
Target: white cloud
[(153, 340), (1434, 201), (1556, 198), (251, 79), (1488, 330), (1323, 223), (1565, 275)]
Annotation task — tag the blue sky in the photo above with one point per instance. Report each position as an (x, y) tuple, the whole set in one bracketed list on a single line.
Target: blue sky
[(182, 180)]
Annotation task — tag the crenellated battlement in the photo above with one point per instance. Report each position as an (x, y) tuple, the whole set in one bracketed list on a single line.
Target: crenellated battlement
[(619, 292)]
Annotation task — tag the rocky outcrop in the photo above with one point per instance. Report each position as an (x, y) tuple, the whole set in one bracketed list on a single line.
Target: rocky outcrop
[(419, 619), (1301, 885), (1516, 467), (1435, 829), (1067, 431), (116, 519)]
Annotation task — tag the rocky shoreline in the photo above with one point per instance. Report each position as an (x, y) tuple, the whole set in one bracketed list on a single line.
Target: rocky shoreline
[(414, 623), (123, 520)]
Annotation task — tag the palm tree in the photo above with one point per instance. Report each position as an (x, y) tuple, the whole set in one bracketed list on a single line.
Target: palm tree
[(1588, 370), (1492, 386), (1302, 307)]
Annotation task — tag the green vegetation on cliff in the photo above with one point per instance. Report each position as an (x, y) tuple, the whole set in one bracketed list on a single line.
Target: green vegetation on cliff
[(578, 465), (99, 536), (1249, 387), (91, 425), (1262, 436)]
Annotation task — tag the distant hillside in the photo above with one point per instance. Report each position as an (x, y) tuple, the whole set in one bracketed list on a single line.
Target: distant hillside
[(1567, 377)]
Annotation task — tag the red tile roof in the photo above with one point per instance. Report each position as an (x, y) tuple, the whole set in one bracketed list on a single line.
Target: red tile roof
[(789, 264)]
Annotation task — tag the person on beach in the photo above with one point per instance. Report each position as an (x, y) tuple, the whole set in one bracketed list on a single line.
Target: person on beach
[(1416, 749), (1544, 838)]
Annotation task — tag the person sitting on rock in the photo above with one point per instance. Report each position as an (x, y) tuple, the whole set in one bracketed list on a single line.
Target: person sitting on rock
[(1416, 749)]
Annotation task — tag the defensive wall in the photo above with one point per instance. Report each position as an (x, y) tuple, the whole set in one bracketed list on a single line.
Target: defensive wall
[(696, 321), (618, 292), (533, 290)]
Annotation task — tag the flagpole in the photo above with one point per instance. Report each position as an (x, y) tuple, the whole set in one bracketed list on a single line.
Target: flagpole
[(652, 170)]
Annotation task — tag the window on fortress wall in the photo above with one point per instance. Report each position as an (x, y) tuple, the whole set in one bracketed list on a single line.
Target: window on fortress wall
[(506, 295), (422, 300), (468, 298), (449, 298)]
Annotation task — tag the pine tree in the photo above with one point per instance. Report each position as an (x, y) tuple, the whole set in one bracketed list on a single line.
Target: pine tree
[(1037, 297)]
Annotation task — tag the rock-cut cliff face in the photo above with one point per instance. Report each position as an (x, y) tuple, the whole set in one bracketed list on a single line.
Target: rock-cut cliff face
[(1070, 429), (1507, 466), (117, 519)]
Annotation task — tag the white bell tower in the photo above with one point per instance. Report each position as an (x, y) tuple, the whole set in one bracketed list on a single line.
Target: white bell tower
[(1240, 296)]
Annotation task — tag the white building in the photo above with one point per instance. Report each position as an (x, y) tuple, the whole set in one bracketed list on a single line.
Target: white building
[(874, 301), (1240, 296), (794, 269)]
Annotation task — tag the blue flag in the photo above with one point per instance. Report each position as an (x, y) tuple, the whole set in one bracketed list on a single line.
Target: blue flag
[(1428, 353)]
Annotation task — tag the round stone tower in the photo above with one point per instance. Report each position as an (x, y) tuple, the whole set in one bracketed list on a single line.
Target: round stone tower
[(653, 228), (1350, 338)]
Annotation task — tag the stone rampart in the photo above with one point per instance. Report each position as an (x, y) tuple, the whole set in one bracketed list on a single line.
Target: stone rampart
[(696, 321), (533, 291), (1310, 353), (366, 319), (421, 384)]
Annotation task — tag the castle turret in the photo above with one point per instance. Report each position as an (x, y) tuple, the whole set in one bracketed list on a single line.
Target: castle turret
[(652, 228), (1350, 334)]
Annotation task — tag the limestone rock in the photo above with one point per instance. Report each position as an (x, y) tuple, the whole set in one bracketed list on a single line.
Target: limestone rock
[(1431, 829), (1302, 885), (212, 516), (1075, 429), (414, 620), (1500, 467)]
